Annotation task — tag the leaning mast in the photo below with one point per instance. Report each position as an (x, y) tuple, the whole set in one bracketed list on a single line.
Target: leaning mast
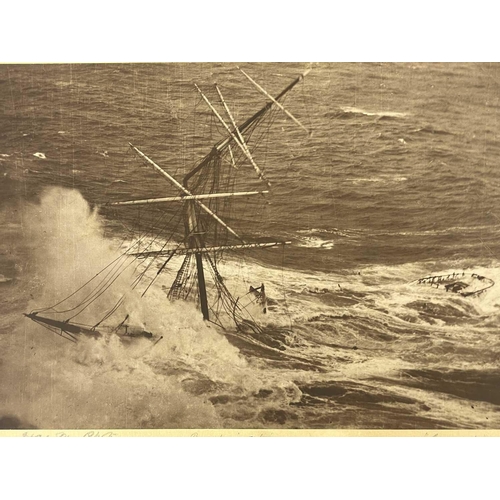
[(194, 239), (202, 227)]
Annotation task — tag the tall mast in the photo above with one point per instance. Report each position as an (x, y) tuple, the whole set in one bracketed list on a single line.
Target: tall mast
[(235, 134), (196, 241), (194, 237), (194, 234)]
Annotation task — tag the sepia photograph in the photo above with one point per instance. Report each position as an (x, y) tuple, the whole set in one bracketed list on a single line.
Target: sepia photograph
[(230, 246), (225, 221)]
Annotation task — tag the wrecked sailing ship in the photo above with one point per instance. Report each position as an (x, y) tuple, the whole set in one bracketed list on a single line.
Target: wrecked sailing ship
[(205, 196)]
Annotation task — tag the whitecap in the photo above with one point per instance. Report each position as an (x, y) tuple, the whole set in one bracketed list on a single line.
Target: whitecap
[(314, 242), (359, 111), (386, 179)]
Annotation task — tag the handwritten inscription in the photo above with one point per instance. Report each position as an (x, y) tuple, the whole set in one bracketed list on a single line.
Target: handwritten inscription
[(64, 434)]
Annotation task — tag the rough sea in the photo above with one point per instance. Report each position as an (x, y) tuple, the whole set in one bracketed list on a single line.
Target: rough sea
[(398, 181)]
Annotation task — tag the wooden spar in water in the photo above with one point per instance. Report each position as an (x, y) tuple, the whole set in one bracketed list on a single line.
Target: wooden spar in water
[(185, 198), (186, 251), (241, 145), (280, 106), (184, 190)]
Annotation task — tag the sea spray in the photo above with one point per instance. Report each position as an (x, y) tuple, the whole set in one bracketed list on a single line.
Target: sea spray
[(136, 386), (96, 384), (67, 249), (102, 382)]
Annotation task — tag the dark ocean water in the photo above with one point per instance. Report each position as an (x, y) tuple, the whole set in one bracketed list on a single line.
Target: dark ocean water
[(398, 181)]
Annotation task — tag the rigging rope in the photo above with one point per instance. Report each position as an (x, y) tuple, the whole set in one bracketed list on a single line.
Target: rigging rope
[(217, 174)]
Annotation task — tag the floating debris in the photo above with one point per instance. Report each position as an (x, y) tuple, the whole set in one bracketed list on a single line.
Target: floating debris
[(465, 284), (40, 155)]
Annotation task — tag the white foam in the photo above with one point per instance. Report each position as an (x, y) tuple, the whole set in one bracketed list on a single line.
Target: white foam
[(314, 242), (102, 383), (391, 114), (386, 179)]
